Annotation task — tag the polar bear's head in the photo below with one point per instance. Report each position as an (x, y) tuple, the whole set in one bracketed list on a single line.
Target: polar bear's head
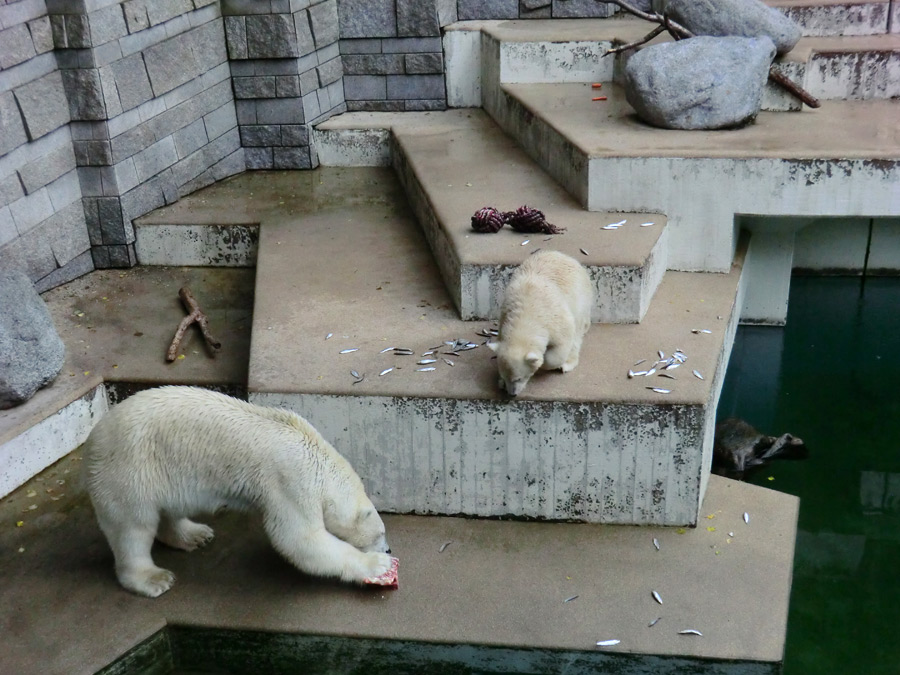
[(517, 363), (355, 520)]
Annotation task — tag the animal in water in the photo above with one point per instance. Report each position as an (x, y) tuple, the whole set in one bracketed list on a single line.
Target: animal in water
[(166, 454), (545, 314), (739, 447)]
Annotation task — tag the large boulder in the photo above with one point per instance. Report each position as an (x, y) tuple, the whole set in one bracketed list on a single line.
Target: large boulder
[(31, 351), (699, 83), (746, 18)]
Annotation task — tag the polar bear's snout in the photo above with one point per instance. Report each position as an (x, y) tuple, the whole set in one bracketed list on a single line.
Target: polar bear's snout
[(380, 545)]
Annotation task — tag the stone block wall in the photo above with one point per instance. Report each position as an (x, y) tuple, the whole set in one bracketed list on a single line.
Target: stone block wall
[(112, 108), (287, 75), (152, 111)]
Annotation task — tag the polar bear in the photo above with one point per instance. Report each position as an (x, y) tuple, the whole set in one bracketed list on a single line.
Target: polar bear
[(169, 453), (546, 313)]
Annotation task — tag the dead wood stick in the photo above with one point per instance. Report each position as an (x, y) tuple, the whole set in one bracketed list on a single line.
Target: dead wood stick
[(677, 31), (637, 43), (195, 315)]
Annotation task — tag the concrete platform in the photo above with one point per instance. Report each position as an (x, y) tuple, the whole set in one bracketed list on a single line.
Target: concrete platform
[(460, 162), (495, 596), (117, 325), (841, 159), (837, 17)]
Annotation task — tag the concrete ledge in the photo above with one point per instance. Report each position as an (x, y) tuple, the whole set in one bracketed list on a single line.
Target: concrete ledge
[(238, 594), (196, 245)]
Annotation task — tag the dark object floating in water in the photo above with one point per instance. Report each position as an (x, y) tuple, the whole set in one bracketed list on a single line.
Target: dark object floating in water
[(739, 448)]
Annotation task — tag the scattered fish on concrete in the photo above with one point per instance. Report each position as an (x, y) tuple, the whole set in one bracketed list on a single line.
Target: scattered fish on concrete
[(671, 377), (354, 374), (656, 597), (679, 356), (700, 330), (329, 336), (637, 363), (569, 599), (661, 354), (650, 372), (361, 379), (428, 353), (656, 543), (746, 517), (402, 351), (349, 351), (654, 622), (610, 227), (638, 372), (444, 546), (449, 362), (525, 242), (673, 366), (630, 374), (425, 362), (648, 224), (608, 643), (698, 375), (425, 370), (451, 353), (690, 631), (386, 350), (583, 251), (385, 372), (660, 390)]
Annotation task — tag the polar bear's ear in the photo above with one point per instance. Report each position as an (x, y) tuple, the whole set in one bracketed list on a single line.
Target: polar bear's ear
[(493, 346), (534, 359)]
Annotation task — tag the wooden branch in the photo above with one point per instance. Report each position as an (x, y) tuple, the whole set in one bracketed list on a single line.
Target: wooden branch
[(631, 45), (677, 31), (195, 315)]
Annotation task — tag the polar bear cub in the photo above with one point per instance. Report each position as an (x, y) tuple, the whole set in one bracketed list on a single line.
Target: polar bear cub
[(546, 313), (166, 454)]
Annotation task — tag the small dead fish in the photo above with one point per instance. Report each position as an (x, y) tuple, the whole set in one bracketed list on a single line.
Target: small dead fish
[(425, 362), (608, 643), (698, 375), (428, 353), (650, 372), (631, 374), (671, 377), (673, 366), (620, 223), (637, 363), (354, 374), (525, 242), (656, 597), (639, 372), (701, 330), (690, 631), (329, 336), (403, 352), (648, 224), (425, 370), (660, 390), (610, 227), (535, 251), (385, 371), (362, 379), (547, 238), (569, 599), (452, 353), (444, 546), (656, 543), (680, 356), (349, 351), (386, 350), (448, 362), (661, 355), (654, 622), (746, 517), (583, 251)]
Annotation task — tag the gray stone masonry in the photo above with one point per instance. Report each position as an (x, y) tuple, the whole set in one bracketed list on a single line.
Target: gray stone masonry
[(43, 105), (31, 351)]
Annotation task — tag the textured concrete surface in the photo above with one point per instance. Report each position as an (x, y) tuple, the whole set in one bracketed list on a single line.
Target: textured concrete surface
[(118, 324), (496, 583)]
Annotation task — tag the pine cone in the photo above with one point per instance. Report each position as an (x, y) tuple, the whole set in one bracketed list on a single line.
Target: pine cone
[(529, 220), (487, 220)]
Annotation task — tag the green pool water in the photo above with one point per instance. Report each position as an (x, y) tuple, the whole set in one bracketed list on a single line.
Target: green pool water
[(832, 377)]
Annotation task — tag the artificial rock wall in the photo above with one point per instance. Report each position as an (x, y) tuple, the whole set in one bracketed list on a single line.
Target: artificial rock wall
[(112, 108)]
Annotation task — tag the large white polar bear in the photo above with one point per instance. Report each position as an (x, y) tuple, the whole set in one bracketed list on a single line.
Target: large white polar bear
[(166, 454), (545, 315)]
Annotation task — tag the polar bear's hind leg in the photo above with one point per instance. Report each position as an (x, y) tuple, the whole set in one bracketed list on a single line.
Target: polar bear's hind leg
[(183, 533)]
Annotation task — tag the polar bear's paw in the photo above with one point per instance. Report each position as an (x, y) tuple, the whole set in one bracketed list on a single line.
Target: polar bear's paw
[(368, 566), (185, 534), (151, 582)]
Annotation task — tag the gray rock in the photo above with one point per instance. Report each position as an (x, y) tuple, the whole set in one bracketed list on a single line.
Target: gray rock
[(31, 351), (700, 83), (747, 18)]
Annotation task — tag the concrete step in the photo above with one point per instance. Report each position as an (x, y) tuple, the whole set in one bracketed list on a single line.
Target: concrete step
[(840, 160), (492, 601), (842, 67), (342, 255), (837, 17), (456, 162)]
